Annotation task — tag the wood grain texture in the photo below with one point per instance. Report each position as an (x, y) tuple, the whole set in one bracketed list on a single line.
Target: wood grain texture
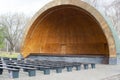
[(68, 30)]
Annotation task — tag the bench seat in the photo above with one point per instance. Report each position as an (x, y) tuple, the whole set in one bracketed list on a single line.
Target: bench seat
[(13, 73)]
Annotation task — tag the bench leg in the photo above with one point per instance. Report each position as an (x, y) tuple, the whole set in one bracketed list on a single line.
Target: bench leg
[(59, 70), (69, 69), (46, 71), (1, 71), (31, 72), (92, 66), (85, 66), (78, 68), (14, 74)]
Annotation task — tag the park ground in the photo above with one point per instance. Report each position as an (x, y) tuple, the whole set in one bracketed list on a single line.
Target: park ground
[(101, 72), (7, 54)]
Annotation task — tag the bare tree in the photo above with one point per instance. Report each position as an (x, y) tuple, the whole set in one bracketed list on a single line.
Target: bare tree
[(115, 16), (14, 25), (110, 8), (1, 37)]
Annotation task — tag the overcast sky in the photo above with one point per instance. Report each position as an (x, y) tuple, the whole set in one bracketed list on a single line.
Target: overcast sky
[(24, 6)]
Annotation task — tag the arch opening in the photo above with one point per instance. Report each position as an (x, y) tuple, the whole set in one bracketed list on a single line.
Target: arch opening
[(70, 28), (67, 30)]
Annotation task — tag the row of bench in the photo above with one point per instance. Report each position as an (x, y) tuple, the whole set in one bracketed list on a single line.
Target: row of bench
[(14, 66)]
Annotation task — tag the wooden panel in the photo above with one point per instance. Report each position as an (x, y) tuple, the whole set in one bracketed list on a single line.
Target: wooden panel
[(71, 27)]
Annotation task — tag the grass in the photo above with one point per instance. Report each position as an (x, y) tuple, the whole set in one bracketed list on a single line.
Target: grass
[(7, 54)]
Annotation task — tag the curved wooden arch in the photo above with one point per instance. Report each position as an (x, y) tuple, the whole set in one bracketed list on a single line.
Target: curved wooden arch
[(93, 12)]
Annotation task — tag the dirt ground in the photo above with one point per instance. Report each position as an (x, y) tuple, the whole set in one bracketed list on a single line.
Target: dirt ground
[(101, 72)]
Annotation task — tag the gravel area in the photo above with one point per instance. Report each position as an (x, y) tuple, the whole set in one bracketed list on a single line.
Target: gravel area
[(115, 77), (102, 72)]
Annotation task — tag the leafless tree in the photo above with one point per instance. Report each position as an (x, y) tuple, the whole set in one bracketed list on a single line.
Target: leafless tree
[(110, 8), (14, 25), (115, 17), (1, 38)]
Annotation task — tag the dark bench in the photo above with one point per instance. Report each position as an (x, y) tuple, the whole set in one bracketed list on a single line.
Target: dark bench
[(61, 65), (26, 68), (46, 66), (58, 65), (31, 71), (13, 73), (58, 68), (77, 65), (45, 69), (52, 65), (93, 65), (68, 66), (86, 65)]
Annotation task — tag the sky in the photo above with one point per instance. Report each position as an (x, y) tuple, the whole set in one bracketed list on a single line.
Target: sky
[(28, 7)]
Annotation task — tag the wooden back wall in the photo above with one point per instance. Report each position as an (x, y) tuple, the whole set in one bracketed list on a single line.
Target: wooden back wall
[(66, 30)]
